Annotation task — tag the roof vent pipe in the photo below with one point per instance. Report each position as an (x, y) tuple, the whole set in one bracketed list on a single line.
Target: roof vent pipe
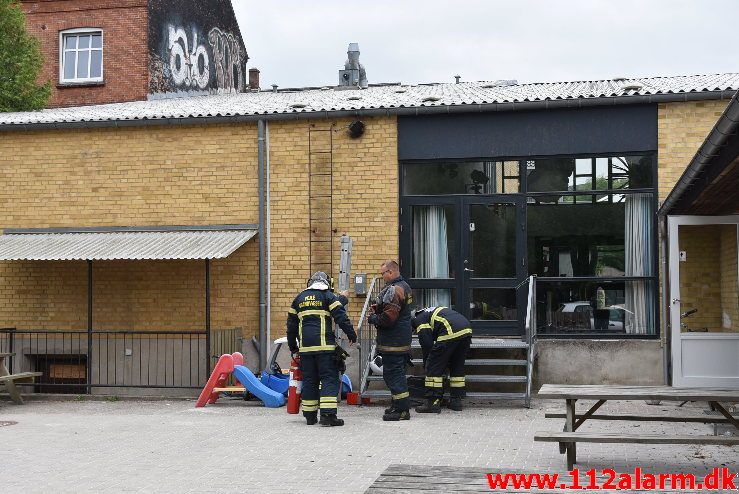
[(457, 78), (353, 73), (274, 88)]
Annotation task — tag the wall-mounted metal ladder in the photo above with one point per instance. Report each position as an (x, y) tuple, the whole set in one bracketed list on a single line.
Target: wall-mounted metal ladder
[(320, 198)]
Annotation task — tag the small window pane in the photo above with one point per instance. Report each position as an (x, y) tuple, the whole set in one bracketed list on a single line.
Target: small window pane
[(493, 304), (478, 177), (97, 41), (69, 66), (432, 242), (96, 63), (601, 174), (433, 297), (70, 42), (84, 42), (584, 166), (599, 307), (82, 61)]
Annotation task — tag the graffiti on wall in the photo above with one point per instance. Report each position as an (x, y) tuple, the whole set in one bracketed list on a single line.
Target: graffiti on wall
[(195, 46), (227, 59), (188, 68)]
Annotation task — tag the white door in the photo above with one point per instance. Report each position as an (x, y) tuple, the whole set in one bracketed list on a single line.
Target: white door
[(704, 300)]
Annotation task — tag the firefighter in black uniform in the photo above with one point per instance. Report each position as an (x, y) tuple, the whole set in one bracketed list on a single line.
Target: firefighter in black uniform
[(445, 337), (391, 314), (310, 333)]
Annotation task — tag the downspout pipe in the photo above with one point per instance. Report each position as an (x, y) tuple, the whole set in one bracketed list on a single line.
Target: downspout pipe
[(261, 154)]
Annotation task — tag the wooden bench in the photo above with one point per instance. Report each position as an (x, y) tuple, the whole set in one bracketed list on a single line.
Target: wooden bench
[(571, 393), (9, 379)]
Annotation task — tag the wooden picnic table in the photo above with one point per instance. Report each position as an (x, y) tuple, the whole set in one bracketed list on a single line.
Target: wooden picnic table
[(9, 379), (601, 393)]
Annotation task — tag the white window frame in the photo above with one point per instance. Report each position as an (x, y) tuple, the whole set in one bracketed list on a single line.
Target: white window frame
[(77, 32)]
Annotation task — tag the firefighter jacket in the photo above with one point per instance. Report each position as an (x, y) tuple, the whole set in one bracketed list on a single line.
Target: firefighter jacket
[(392, 317), (439, 324), (309, 321)]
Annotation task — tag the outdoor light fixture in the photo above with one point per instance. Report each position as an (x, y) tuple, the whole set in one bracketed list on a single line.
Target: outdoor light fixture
[(356, 129)]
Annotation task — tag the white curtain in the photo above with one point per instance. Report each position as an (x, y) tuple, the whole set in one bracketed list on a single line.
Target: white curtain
[(430, 253), (639, 233)]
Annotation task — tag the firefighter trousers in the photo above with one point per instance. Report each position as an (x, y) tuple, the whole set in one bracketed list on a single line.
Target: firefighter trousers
[(449, 354), (393, 372), (319, 368)]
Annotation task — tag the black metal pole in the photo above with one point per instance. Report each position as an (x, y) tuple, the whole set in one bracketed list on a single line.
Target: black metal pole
[(207, 316), (89, 326)]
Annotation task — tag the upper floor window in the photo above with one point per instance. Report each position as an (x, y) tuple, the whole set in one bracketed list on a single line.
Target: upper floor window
[(81, 55)]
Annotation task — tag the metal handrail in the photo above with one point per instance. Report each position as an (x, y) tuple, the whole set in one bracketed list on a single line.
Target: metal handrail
[(531, 336), (366, 335)]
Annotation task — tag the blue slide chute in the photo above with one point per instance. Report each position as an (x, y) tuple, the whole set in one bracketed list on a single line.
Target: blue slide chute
[(271, 399)]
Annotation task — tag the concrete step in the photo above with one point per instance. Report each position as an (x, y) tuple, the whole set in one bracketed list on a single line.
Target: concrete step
[(474, 379), (488, 343), (383, 393), (483, 361)]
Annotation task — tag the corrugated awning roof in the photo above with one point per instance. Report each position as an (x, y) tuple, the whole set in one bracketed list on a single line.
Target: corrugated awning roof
[(212, 244)]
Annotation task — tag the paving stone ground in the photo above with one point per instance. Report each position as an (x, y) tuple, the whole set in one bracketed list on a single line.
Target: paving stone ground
[(237, 446)]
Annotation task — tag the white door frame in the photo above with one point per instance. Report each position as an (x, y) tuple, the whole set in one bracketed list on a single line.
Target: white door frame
[(678, 339)]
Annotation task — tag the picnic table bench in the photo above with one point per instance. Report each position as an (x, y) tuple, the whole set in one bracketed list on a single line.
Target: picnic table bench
[(9, 379), (601, 393)]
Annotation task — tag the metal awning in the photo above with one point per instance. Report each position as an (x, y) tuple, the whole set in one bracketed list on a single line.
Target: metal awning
[(110, 245)]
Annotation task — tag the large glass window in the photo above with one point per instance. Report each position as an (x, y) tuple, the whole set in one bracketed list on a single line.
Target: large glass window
[(596, 306), (592, 235), (81, 56), (471, 177), (432, 242)]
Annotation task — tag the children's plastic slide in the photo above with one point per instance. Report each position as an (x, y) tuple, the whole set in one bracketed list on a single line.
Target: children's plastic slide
[(271, 399), (233, 365)]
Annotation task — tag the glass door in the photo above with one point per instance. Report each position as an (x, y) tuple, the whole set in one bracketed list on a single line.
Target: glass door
[(704, 300), (492, 263), (468, 253)]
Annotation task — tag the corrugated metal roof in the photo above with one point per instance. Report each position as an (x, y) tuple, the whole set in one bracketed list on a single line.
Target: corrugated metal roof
[(122, 245), (392, 98)]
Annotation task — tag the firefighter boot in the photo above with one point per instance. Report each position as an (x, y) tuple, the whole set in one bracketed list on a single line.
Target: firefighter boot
[(331, 421), (393, 415), (432, 405), (311, 418), (455, 403)]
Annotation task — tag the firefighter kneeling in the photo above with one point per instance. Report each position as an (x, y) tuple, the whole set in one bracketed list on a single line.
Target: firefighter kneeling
[(309, 332), (445, 337)]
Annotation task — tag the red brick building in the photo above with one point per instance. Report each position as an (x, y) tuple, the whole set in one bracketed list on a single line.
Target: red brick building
[(109, 51)]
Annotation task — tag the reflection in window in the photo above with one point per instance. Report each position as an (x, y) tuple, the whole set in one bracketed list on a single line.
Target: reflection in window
[(588, 174), (476, 177), (493, 304), (586, 237), (492, 240), (597, 306), (433, 297), (432, 243)]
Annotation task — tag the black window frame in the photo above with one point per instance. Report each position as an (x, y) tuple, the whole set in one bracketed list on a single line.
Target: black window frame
[(406, 201)]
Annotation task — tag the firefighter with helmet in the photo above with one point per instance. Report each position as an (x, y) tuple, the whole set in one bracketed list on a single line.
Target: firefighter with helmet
[(445, 336), (310, 333)]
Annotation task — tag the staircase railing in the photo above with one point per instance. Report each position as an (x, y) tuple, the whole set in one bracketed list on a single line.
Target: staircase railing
[(366, 334), (530, 336)]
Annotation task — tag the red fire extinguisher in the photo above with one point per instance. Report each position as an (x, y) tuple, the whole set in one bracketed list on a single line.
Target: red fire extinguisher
[(296, 385)]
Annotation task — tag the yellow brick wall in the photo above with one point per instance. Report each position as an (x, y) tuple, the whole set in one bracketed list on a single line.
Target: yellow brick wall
[(700, 275), (681, 129), (187, 175), (365, 204), (133, 176)]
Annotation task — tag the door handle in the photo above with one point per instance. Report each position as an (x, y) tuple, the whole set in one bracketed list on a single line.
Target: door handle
[(469, 270), (675, 300)]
